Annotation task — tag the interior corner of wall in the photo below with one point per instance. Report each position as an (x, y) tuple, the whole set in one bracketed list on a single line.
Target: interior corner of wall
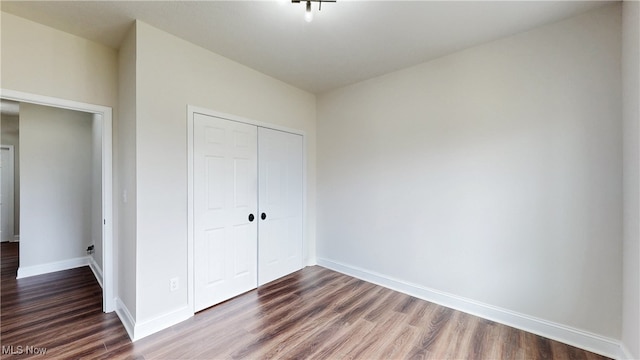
[(126, 318)]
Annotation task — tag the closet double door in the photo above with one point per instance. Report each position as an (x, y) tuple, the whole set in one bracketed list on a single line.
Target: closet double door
[(248, 186)]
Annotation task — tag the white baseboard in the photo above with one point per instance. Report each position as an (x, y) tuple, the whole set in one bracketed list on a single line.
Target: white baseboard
[(27, 271), (97, 271), (565, 334), (625, 353), (138, 331), (125, 317), (161, 322)]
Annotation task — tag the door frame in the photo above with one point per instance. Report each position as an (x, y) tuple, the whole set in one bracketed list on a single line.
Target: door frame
[(12, 189), (191, 110), (108, 294)]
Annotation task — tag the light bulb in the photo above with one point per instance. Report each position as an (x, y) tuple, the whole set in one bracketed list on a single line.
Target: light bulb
[(308, 15)]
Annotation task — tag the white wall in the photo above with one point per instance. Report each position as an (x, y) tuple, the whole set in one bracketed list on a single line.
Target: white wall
[(126, 248), (96, 188), (10, 136), (172, 73), (41, 60), (491, 174), (56, 184), (631, 115)]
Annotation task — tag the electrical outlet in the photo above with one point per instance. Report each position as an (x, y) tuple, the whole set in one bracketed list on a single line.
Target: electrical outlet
[(174, 284)]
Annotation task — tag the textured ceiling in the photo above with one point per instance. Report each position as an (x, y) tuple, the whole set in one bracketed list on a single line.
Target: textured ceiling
[(347, 41)]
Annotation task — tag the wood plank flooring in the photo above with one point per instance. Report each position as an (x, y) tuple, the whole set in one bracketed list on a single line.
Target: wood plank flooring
[(312, 314)]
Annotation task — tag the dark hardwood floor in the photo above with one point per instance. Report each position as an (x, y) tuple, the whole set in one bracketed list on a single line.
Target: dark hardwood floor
[(314, 313)]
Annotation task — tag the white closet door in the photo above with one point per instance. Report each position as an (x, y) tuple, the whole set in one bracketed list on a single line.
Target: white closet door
[(225, 195), (280, 203)]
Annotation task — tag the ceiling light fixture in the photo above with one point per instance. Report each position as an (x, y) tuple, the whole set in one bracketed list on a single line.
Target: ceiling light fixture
[(308, 15)]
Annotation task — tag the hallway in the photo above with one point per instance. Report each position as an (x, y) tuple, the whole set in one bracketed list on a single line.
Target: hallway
[(60, 312)]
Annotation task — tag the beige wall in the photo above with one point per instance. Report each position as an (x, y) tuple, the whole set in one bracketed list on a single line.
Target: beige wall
[(125, 154), (492, 174), (631, 113), (41, 60), (56, 185), (171, 74)]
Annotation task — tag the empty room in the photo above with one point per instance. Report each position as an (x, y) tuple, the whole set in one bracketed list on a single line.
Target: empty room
[(320, 179)]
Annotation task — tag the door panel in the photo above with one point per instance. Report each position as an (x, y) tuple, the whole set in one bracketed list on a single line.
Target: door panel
[(225, 193), (215, 255), (214, 184), (280, 198)]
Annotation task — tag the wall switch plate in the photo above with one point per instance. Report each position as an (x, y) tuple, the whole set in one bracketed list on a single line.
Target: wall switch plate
[(174, 284)]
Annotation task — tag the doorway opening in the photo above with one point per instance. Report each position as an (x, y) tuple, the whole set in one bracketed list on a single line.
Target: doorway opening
[(97, 171)]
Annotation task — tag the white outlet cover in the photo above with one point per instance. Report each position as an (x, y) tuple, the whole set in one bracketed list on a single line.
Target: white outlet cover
[(174, 284)]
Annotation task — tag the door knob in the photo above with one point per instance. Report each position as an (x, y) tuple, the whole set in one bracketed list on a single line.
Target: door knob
[(263, 216), (251, 217)]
